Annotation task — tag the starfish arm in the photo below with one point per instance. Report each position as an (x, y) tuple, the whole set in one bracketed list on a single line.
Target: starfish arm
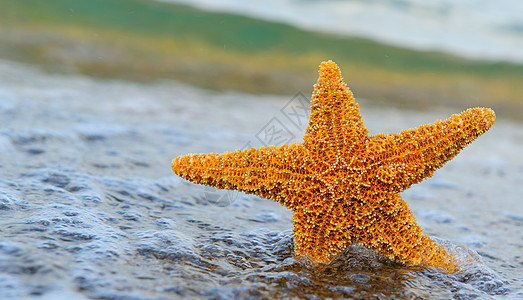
[(395, 233), (335, 123), (409, 157), (321, 229), (271, 172), (324, 230)]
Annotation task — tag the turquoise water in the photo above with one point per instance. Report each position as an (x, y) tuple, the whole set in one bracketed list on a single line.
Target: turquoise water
[(481, 29), (90, 209)]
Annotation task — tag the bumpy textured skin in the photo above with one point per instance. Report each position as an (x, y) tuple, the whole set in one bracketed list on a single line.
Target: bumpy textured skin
[(343, 185)]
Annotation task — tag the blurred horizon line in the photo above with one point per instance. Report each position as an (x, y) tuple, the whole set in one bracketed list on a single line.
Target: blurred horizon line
[(485, 31)]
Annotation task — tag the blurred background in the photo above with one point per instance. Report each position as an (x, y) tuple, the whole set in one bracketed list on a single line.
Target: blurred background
[(98, 96), (404, 53)]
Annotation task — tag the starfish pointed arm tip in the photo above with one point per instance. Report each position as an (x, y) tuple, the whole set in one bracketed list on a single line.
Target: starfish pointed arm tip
[(335, 117), (415, 154), (263, 172), (486, 114)]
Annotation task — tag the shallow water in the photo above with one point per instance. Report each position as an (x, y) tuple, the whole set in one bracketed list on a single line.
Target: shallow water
[(89, 207)]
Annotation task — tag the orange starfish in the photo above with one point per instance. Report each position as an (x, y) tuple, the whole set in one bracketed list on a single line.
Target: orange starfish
[(343, 185)]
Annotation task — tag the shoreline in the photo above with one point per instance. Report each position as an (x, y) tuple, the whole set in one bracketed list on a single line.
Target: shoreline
[(272, 58)]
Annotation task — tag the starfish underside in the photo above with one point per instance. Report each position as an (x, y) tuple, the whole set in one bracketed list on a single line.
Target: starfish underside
[(342, 184)]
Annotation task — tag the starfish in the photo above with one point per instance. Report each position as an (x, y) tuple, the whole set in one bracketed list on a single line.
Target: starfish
[(343, 185)]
